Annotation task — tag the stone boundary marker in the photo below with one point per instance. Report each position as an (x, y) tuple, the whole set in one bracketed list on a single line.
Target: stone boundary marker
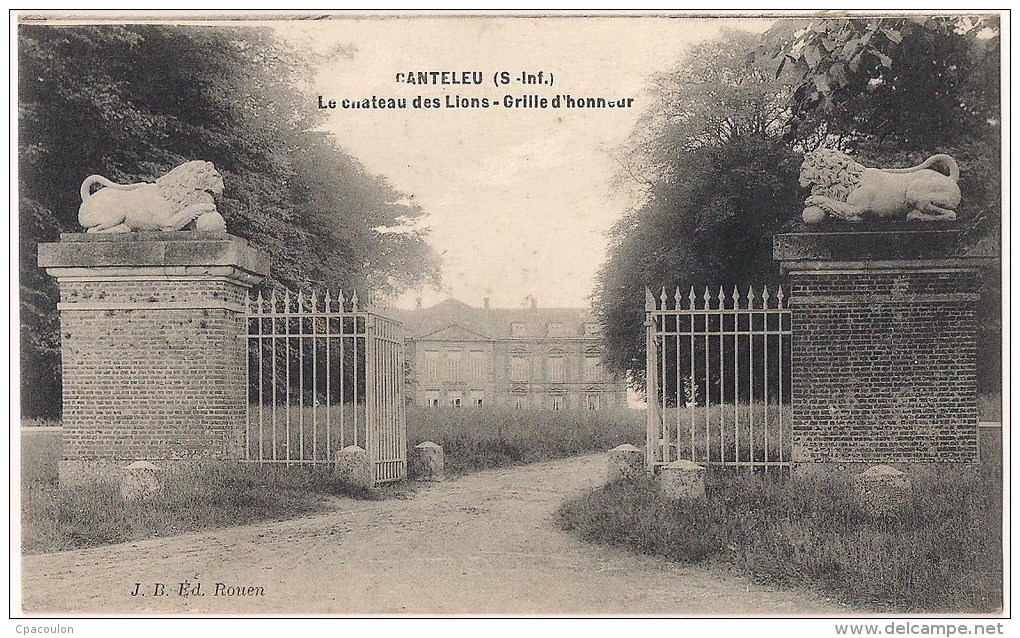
[(625, 462), (882, 490), (353, 467), (425, 462), (140, 479), (682, 480)]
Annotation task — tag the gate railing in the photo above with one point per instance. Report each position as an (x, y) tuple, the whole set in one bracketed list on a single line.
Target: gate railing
[(324, 374), (718, 378)]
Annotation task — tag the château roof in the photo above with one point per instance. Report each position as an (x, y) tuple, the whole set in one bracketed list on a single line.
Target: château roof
[(494, 323)]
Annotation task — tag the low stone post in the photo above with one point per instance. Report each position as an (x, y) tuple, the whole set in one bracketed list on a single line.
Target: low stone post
[(682, 480), (426, 462), (140, 479), (353, 467), (882, 490), (625, 462)]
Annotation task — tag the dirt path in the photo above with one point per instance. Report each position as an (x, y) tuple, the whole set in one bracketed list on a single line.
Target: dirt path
[(482, 544)]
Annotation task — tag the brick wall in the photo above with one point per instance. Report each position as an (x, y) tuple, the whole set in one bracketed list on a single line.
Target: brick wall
[(153, 369), (884, 365), (154, 362)]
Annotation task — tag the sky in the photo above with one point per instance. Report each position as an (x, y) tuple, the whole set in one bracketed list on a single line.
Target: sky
[(518, 201)]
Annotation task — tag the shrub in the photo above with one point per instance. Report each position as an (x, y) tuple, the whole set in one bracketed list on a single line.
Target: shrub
[(475, 438)]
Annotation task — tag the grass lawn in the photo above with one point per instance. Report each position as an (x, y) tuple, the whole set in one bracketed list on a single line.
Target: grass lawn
[(73, 517), (942, 556), (56, 518), (729, 433)]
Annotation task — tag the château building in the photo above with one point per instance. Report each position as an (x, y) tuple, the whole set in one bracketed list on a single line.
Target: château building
[(539, 358)]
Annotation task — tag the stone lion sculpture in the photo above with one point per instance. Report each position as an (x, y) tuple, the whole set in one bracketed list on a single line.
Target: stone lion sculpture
[(182, 196), (842, 188)]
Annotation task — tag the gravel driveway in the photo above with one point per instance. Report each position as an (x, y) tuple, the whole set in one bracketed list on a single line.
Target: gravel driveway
[(486, 543)]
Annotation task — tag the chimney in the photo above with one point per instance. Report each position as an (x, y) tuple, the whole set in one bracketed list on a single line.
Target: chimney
[(485, 302), (534, 303), (417, 302)]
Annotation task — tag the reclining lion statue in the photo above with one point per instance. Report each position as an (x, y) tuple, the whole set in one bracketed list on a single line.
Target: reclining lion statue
[(842, 188), (177, 199)]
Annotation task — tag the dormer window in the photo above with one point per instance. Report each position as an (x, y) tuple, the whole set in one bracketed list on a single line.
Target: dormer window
[(517, 329), (556, 329), (591, 329)]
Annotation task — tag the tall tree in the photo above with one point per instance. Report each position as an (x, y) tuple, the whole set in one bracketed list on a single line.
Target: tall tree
[(719, 180), (131, 102)]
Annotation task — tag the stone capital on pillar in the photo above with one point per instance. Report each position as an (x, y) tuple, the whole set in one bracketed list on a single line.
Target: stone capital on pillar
[(154, 359), (154, 255)]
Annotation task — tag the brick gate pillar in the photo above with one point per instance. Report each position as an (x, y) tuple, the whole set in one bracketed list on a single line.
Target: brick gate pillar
[(884, 345), (153, 359)]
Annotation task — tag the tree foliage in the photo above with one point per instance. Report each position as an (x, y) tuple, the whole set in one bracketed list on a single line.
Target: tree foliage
[(712, 96), (131, 102), (718, 154), (720, 181), (873, 77)]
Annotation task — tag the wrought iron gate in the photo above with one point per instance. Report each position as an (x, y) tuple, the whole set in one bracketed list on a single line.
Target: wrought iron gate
[(322, 375), (718, 378)]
